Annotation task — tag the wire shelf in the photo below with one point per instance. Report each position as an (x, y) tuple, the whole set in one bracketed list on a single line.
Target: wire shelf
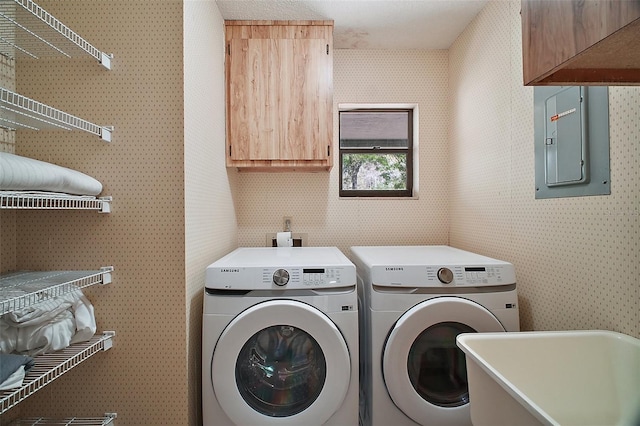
[(108, 419), (19, 112), (53, 201), (29, 31), (49, 367), (21, 289)]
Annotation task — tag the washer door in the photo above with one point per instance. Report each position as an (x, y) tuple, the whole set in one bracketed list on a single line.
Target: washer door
[(280, 362), (424, 371)]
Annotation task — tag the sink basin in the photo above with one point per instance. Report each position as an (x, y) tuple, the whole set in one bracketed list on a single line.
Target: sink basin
[(553, 378)]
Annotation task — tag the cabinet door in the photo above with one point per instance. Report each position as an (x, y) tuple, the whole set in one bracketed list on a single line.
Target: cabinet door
[(306, 99), (280, 86), (253, 110)]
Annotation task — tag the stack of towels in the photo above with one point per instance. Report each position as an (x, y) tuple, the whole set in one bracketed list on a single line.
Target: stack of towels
[(45, 327)]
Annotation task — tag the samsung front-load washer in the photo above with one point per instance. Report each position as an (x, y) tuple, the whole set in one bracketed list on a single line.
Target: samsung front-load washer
[(280, 338), (416, 300)]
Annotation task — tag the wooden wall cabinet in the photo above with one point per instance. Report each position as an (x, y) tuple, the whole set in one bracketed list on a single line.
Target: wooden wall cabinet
[(581, 42), (279, 81)]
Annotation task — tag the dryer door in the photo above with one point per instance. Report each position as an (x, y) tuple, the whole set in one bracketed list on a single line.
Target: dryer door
[(424, 371), (280, 362)]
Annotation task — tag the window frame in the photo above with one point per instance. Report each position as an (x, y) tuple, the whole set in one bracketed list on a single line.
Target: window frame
[(408, 151)]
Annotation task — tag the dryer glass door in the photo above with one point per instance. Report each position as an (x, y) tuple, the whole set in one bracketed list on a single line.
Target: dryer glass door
[(424, 371), (280, 362), (436, 366)]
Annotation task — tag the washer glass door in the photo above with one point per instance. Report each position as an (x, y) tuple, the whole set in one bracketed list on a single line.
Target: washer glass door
[(424, 371), (280, 362), (280, 371)]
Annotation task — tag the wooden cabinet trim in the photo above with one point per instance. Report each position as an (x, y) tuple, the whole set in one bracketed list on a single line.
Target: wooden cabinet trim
[(277, 23), (578, 42)]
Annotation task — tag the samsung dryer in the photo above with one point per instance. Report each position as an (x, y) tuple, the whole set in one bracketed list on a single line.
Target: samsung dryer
[(416, 300), (280, 338)]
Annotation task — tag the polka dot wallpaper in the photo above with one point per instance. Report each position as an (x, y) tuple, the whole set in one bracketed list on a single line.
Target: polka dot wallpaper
[(576, 258), (210, 219), (172, 211)]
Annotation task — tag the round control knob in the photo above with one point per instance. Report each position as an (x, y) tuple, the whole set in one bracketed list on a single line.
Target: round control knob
[(445, 275), (281, 277)]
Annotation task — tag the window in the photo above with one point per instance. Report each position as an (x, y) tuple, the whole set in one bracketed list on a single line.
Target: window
[(376, 152)]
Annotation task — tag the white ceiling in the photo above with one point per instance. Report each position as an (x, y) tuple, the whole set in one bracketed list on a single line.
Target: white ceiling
[(369, 24)]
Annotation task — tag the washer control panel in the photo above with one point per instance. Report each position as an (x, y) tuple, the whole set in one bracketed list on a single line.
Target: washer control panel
[(303, 277), (281, 277), (468, 275), (478, 274), (445, 275)]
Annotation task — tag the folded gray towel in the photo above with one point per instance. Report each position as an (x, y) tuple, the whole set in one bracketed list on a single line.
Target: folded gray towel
[(9, 363)]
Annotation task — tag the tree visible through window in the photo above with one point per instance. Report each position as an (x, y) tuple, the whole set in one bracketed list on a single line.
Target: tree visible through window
[(376, 153)]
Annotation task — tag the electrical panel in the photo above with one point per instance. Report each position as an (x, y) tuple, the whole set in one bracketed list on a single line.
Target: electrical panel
[(571, 131)]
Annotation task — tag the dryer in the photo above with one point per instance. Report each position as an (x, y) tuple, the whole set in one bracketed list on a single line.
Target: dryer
[(415, 301), (280, 338)]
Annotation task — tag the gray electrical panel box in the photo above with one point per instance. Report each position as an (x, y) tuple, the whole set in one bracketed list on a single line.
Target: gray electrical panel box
[(571, 131)]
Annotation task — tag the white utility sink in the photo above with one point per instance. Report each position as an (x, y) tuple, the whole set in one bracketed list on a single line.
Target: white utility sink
[(553, 378)]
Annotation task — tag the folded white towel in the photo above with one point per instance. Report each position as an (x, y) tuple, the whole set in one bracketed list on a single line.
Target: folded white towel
[(48, 326), (47, 337), (26, 174), (85, 320)]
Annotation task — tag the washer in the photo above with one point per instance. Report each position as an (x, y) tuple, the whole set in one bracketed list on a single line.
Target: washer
[(416, 300), (280, 338)]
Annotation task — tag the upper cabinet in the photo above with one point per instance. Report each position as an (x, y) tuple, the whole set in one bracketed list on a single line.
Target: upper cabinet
[(279, 80), (577, 42)]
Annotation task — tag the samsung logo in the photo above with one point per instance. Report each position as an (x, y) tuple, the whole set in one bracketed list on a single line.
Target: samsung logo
[(230, 270), (397, 268)]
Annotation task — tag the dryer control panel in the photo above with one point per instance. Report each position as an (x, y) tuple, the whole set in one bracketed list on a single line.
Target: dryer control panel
[(467, 275), (443, 275), (430, 266)]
